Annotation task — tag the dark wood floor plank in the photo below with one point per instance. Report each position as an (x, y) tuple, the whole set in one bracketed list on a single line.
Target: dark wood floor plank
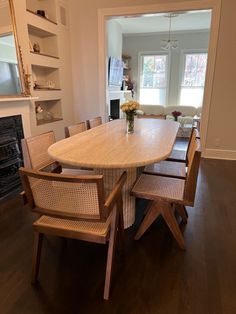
[(151, 276)]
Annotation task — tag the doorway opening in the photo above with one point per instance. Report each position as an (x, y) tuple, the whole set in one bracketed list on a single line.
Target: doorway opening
[(164, 82)]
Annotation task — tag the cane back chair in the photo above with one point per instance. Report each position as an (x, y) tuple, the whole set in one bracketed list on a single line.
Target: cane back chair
[(167, 195), (35, 155), (92, 123), (74, 207), (75, 129), (174, 169)]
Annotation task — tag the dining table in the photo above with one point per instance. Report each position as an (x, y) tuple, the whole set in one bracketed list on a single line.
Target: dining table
[(109, 150)]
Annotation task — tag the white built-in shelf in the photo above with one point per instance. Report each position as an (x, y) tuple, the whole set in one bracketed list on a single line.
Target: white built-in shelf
[(41, 17), (44, 54), (47, 94), (23, 98), (47, 89), (41, 122), (44, 75), (45, 40), (52, 107), (44, 58)]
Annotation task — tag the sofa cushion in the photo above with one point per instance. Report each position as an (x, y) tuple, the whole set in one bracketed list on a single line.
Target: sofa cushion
[(185, 110), (152, 109), (185, 120)]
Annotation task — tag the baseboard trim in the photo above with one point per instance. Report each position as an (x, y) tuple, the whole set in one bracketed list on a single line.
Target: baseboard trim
[(220, 154)]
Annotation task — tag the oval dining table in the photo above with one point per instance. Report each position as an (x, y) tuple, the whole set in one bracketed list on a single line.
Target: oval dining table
[(109, 150)]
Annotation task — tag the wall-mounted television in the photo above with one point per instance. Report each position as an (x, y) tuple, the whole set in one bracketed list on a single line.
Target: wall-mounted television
[(115, 72)]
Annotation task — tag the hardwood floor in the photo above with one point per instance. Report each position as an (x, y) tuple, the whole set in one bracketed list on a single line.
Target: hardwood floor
[(152, 275)]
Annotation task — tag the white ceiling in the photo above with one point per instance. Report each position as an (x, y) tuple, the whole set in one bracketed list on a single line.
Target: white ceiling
[(154, 23)]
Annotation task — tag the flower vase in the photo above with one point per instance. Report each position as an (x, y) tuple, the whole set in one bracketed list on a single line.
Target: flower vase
[(130, 123)]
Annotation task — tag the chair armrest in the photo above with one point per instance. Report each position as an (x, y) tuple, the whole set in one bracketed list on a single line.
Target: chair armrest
[(116, 192)]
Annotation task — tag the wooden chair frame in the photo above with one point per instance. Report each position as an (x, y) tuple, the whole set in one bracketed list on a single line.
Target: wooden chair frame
[(173, 169), (113, 205), (166, 206), (48, 165), (185, 160), (75, 129), (92, 123)]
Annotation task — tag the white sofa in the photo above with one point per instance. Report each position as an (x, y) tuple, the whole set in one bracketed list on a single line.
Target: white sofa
[(185, 119)]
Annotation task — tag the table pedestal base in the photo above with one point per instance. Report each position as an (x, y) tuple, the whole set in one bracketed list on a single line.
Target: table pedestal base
[(110, 178)]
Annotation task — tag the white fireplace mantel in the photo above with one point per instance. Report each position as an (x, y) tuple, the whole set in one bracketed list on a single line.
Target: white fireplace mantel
[(11, 99), (18, 106)]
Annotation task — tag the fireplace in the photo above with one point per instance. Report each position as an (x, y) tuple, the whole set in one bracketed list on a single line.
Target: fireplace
[(114, 109), (11, 133)]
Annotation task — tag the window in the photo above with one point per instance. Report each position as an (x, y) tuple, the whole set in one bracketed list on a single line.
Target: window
[(193, 79), (153, 79)]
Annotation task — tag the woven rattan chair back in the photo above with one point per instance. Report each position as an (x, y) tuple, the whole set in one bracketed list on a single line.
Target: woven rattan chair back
[(75, 129), (78, 197), (35, 150), (192, 171), (92, 123)]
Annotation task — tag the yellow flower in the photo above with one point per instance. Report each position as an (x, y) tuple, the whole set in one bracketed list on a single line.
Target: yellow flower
[(130, 106)]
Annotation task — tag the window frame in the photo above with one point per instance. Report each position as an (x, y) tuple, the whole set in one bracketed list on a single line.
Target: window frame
[(183, 54), (140, 68)]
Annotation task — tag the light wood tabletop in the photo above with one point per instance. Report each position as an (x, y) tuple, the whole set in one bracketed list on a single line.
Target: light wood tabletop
[(108, 145), (109, 151)]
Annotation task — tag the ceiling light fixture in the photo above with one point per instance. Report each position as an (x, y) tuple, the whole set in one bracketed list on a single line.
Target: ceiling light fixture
[(167, 44)]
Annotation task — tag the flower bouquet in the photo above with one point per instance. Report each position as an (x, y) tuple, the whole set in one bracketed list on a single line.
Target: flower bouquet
[(129, 108), (176, 114)]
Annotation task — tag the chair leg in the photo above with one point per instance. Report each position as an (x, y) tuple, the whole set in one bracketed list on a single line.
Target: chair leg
[(111, 252), (150, 217), (169, 217), (182, 212), (121, 222), (38, 241)]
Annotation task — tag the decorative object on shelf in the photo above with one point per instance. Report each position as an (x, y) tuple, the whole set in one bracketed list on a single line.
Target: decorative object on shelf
[(167, 44), (176, 114), (36, 47), (129, 108), (27, 81), (41, 13), (47, 115), (51, 84), (39, 112)]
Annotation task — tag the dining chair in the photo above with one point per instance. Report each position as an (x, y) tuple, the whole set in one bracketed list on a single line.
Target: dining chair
[(35, 155), (75, 129), (175, 169), (74, 207), (92, 123), (167, 195), (181, 155)]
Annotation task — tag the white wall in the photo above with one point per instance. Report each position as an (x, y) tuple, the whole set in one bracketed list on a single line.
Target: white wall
[(114, 39), (84, 37), (133, 45)]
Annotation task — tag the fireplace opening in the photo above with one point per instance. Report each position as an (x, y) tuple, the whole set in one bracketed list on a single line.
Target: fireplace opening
[(114, 109), (11, 133)]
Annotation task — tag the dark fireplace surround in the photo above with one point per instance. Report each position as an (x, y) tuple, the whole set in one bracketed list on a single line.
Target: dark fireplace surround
[(11, 133), (114, 109)]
